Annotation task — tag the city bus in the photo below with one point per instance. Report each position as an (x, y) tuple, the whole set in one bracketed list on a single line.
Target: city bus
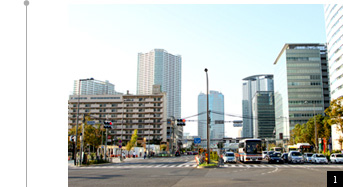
[(250, 150)]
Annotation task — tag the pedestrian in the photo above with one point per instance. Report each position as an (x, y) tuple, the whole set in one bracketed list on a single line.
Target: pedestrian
[(134, 154), (123, 155), (144, 155)]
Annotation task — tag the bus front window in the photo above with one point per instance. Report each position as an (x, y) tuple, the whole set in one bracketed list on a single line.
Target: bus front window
[(254, 147)]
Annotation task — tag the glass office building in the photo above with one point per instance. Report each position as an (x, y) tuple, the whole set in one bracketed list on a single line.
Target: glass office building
[(301, 86), (334, 36), (263, 114), (251, 85)]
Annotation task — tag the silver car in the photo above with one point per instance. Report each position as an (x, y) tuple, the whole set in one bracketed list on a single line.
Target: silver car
[(229, 157), (295, 157), (336, 158), (307, 157), (319, 158)]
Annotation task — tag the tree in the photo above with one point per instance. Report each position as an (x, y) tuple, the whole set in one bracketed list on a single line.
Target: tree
[(335, 112), (133, 141)]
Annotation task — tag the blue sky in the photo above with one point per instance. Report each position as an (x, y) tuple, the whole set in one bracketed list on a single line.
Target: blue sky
[(232, 41)]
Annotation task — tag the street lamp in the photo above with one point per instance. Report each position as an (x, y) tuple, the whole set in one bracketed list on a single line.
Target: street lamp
[(77, 120), (208, 127), (26, 3)]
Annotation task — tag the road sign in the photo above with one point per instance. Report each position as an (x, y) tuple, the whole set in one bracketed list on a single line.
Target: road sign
[(91, 122), (197, 140), (237, 125)]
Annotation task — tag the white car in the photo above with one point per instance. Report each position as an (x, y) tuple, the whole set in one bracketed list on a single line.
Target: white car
[(264, 154), (307, 157), (229, 157), (295, 157), (319, 158), (336, 158)]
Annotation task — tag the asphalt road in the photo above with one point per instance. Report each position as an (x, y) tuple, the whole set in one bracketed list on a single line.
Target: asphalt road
[(134, 173)]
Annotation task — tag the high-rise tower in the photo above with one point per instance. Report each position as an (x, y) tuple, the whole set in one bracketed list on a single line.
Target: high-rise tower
[(158, 67), (216, 107), (334, 36), (251, 85)]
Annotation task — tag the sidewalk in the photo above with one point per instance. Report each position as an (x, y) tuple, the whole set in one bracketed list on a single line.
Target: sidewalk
[(112, 160)]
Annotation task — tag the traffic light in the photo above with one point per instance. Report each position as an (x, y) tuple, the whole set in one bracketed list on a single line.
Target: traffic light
[(181, 122), (107, 124)]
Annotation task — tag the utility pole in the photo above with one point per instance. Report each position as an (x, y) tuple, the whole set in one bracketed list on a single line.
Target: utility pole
[(208, 126)]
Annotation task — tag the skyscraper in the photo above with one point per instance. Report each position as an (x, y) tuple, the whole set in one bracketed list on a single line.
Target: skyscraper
[(94, 87), (301, 86), (334, 35), (158, 67), (216, 107), (251, 85), (263, 114)]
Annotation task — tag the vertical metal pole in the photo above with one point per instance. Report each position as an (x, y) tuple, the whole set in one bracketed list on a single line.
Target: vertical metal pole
[(106, 144), (26, 3), (208, 127), (77, 123), (315, 128), (83, 135), (121, 138)]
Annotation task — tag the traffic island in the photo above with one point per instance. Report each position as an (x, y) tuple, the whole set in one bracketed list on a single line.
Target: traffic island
[(210, 165)]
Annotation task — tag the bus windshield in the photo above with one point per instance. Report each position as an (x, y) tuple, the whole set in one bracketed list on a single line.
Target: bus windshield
[(253, 147)]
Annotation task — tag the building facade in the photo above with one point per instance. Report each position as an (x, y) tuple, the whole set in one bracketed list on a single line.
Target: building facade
[(301, 86), (146, 113), (158, 67), (251, 85), (216, 107), (94, 87), (334, 36), (263, 114)]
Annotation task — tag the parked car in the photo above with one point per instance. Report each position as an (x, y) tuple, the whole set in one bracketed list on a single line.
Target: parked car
[(177, 153), (195, 152), (319, 158), (229, 157), (336, 158), (307, 157), (295, 157), (284, 157), (274, 158), (264, 154)]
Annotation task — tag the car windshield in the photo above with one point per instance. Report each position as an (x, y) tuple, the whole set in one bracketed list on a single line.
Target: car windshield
[(276, 155), (309, 155), (229, 154), (320, 156), (339, 155), (296, 154)]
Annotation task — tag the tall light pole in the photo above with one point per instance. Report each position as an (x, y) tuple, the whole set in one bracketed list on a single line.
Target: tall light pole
[(315, 127), (208, 127), (77, 119), (26, 3)]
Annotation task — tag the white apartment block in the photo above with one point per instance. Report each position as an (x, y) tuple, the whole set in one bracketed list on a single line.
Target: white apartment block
[(146, 113)]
